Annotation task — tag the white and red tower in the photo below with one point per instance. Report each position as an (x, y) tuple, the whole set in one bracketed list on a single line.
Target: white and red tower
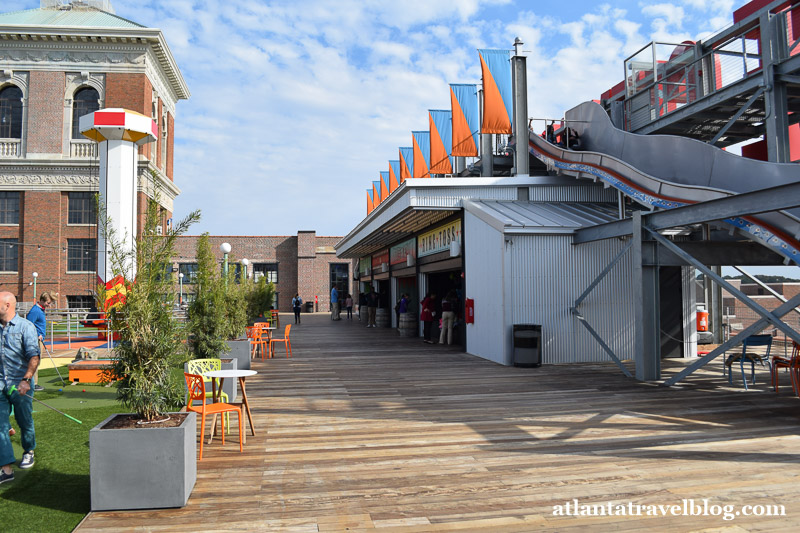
[(118, 132)]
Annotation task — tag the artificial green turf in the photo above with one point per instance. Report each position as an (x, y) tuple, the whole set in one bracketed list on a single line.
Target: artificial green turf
[(53, 496)]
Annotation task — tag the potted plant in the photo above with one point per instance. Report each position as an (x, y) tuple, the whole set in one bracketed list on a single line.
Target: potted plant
[(208, 324), (146, 459), (235, 323)]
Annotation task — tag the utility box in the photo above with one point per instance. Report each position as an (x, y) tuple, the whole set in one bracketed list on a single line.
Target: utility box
[(527, 345), (309, 307)]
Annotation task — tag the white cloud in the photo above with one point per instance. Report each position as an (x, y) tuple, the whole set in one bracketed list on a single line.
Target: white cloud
[(296, 107)]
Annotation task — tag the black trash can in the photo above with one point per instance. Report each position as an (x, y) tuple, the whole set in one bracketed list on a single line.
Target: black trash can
[(527, 345), (309, 307)]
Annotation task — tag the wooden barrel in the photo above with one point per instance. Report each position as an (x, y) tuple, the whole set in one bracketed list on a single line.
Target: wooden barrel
[(409, 326), (382, 318)]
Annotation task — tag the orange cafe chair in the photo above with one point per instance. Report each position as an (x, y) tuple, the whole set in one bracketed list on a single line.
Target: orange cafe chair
[(254, 334), (285, 340), (197, 392), (791, 363)]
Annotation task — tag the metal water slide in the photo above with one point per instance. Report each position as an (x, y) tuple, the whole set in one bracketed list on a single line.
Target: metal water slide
[(666, 171)]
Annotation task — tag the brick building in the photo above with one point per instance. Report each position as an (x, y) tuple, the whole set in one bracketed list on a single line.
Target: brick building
[(58, 63), (304, 264)]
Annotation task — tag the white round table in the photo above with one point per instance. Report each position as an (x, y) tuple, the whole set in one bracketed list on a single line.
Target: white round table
[(232, 373)]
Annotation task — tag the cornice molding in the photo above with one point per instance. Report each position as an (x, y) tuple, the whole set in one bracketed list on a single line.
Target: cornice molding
[(117, 39)]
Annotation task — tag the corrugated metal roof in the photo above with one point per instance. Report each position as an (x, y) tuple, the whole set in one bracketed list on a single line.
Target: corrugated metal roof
[(535, 217), (84, 18)]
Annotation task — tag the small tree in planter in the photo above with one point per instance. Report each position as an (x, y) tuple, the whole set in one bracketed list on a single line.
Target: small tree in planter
[(151, 345), (260, 298), (207, 321)]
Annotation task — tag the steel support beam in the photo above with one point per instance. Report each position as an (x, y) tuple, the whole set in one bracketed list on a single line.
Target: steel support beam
[(765, 287), (738, 114), (647, 333), (760, 201), (742, 297), (519, 77), (776, 122), (601, 342), (733, 341)]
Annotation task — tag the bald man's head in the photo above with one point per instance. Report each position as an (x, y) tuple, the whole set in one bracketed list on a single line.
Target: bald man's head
[(8, 304)]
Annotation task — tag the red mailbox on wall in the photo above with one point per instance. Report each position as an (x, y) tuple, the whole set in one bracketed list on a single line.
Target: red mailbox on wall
[(469, 310)]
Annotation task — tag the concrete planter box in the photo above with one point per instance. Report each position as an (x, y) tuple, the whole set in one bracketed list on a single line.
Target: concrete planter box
[(142, 468), (230, 386), (240, 350)]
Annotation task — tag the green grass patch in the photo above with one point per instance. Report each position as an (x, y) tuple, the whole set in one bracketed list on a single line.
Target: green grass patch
[(53, 496)]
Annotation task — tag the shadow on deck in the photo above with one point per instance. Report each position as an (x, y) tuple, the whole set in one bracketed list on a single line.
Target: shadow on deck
[(363, 429)]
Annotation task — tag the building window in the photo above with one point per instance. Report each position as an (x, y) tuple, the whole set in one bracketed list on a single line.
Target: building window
[(339, 278), (9, 207), (85, 101), (189, 271), (82, 208), (81, 301), (81, 255), (268, 270), (11, 113), (9, 255)]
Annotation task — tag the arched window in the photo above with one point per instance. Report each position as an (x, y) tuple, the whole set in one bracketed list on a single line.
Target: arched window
[(86, 101), (11, 113)]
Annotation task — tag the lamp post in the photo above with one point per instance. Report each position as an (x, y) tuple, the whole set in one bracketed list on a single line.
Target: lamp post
[(35, 275), (245, 263), (225, 248), (180, 282)]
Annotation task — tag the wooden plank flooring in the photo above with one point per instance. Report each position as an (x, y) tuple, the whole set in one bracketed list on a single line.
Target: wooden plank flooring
[(365, 430)]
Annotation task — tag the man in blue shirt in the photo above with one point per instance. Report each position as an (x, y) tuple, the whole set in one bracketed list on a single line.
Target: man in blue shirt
[(334, 304), (36, 316), (19, 359)]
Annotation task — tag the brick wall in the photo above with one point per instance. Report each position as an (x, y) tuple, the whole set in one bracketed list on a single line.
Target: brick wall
[(308, 275), (45, 112)]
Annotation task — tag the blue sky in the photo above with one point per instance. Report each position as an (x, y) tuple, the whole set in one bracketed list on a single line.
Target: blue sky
[(298, 105)]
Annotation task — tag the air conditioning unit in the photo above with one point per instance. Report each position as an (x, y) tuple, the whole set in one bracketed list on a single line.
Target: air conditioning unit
[(384, 267), (159, 230), (410, 261), (455, 249)]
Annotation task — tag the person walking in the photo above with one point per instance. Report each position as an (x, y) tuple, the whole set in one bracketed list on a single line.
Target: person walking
[(448, 317), (297, 304), (348, 303), (334, 304), (427, 316), (372, 306), (19, 354), (37, 318)]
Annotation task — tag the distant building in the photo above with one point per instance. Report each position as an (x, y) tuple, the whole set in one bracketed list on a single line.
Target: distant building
[(304, 264), (58, 63)]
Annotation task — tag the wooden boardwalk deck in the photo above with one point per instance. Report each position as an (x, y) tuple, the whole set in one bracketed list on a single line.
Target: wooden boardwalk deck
[(364, 430)]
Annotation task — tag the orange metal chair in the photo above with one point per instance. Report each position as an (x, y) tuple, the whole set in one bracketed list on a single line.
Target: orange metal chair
[(285, 340), (254, 334), (791, 363), (197, 392)]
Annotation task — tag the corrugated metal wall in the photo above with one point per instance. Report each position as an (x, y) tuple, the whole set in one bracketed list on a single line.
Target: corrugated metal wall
[(549, 273), (483, 265), (575, 193), (452, 196)]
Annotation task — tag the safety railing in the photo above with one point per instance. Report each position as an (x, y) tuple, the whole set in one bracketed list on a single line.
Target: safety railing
[(663, 77)]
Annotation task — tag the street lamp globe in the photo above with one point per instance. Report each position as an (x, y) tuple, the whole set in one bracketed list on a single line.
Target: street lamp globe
[(225, 248), (35, 274)]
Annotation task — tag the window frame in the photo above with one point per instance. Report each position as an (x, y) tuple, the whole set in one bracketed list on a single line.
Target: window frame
[(345, 277), (87, 197), (5, 198), (88, 259), (75, 133), (16, 113), (189, 274), (262, 269), (9, 246)]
